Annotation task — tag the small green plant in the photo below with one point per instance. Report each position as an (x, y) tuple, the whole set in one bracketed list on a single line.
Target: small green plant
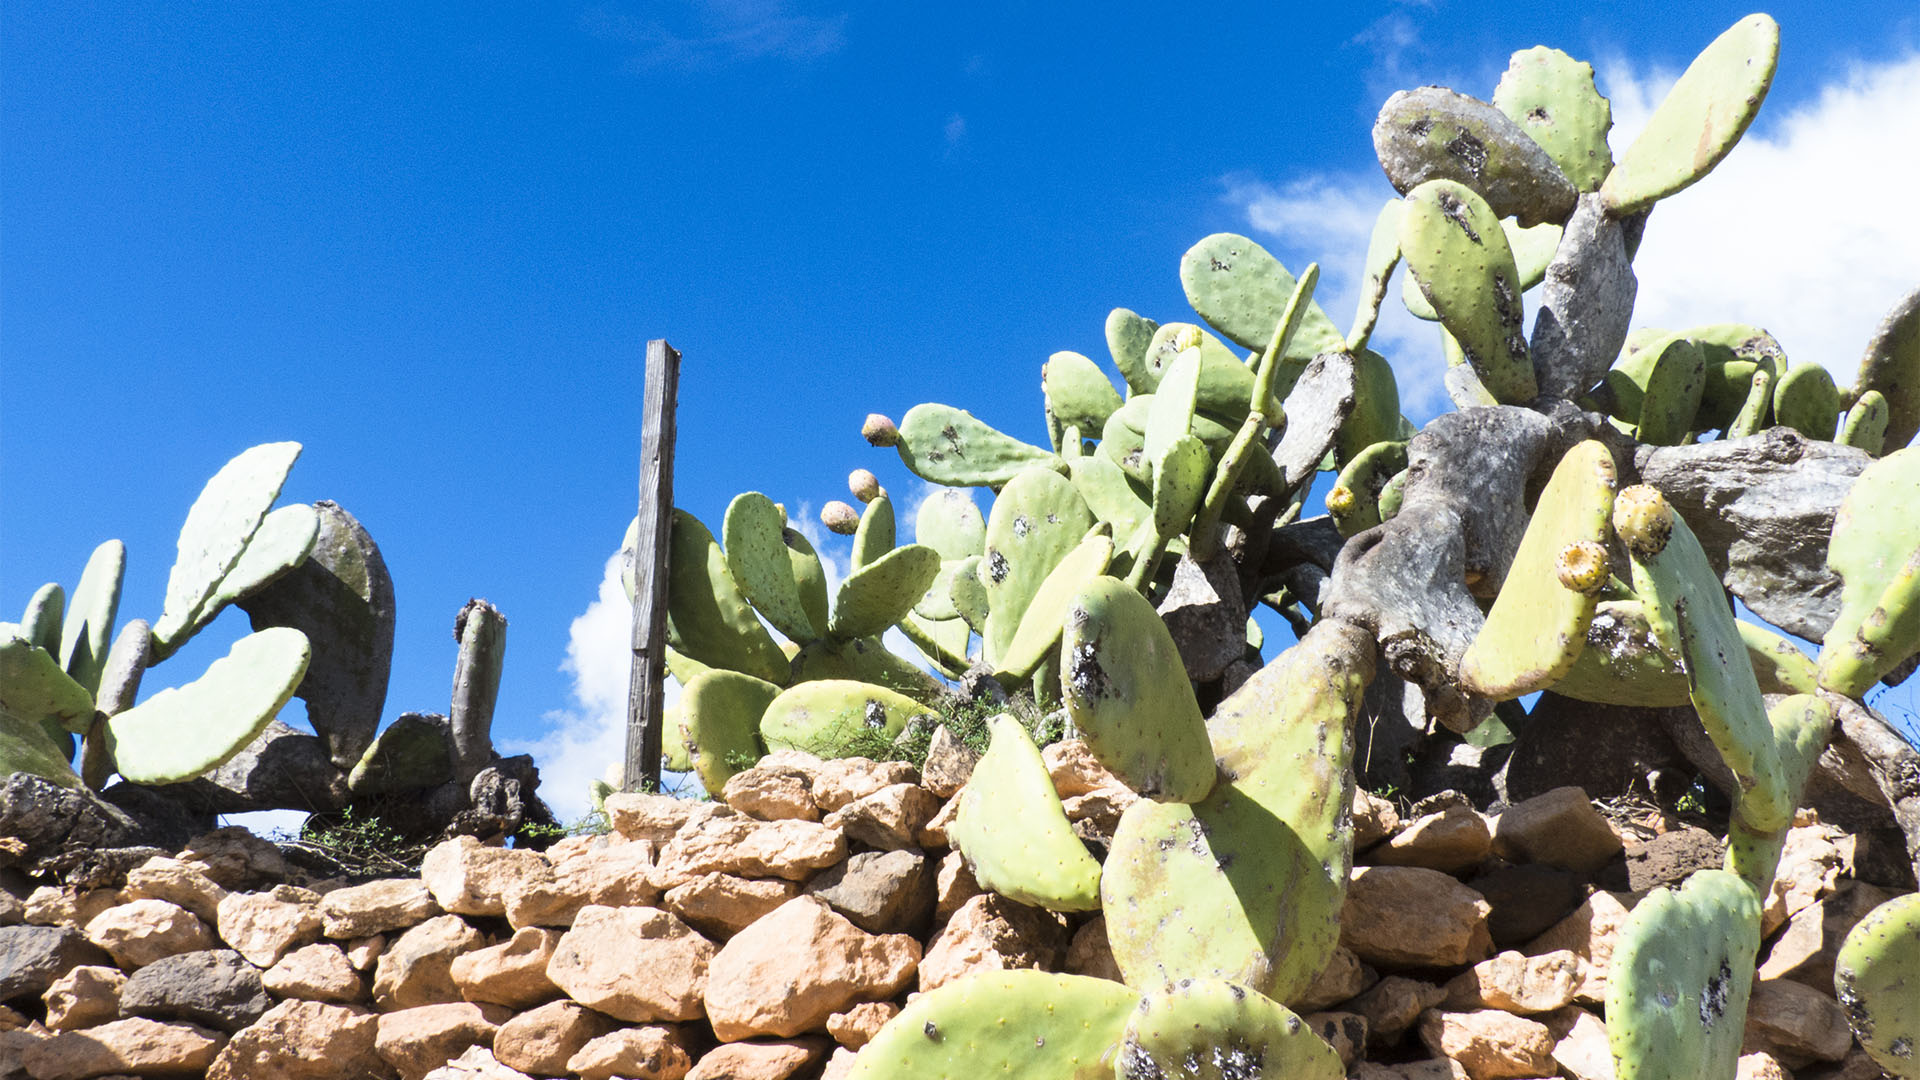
[(362, 844)]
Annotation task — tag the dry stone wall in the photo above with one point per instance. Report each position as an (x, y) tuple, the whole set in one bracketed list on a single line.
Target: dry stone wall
[(770, 934)]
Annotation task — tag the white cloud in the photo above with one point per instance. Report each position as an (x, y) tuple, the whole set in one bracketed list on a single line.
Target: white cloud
[(956, 129), (1805, 229), (708, 33)]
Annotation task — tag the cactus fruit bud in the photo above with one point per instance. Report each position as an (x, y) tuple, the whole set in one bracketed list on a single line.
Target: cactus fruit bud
[(1340, 500), (864, 485), (1187, 337), (1582, 566), (1644, 519), (879, 430), (840, 518)]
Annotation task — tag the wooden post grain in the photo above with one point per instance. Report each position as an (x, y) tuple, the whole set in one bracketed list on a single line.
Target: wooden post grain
[(645, 686)]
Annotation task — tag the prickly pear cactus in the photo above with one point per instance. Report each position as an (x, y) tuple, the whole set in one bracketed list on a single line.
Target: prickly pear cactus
[(185, 732), (1454, 246), (1682, 970), (219, 526), (721, 713), (1012, 1023), (708, 617), (1552, 97), (1876, 552), (1209, 1029), (1039, 631), (87, 630), (1013, 832), (948, 446), (827, 717), (1877, 979)]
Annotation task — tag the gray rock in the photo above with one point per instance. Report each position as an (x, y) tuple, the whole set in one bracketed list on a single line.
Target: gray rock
[(283, 768), (949, 764), (215, 988), (32, 957), (881, 892)]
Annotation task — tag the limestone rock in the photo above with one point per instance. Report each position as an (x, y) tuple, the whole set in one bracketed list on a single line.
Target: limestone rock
[(1490, 1044), (1812, 861), (1590, 932), (263, 927), (882, 892), (176, 882), (786, 974), (478, 1063), (138, 933), (953, 885), (722, 905), (304, 1040), (1581, 1049), (543, 1040), (1796, 1023), (637, 964), (1760, 1066), (234, 858), (1450, 839), (83, 997), (362, 952), (1558, 827), (840, 781), (759, 1059), (1091, 954), (949, 764), (642, 1053), (467, 877), (772, 792), (656, 817), (889, 819), (1410, 916), (1074, 769), (416, 969), (991, 933), (1518, 983), (214, 988), (317, 972), (742, 846), (1374, 819), (376, 907), (419, 1040), (134, 1045), (512, 973), (1391, 1005), (858, 1025), (1343, 979), (1805, 950)]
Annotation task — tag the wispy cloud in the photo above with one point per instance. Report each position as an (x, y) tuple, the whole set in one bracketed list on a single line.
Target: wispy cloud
[(1805, 229), (708, 33), (955, 130)]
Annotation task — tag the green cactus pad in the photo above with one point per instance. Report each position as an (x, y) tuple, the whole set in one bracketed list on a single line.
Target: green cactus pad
[(1039, 629), (1210, 1029), (1691, 618), (948, 446), (1124, 444), (1223, 384), (412, 754), (969, 594), (188, 731), (1538, 624), (1376, 407), (1035, 522), (1700, 119), (1681, 974), (87, 631), (1013, 832), (126, 666), (33, 688), (1806, 400), (1383, 254), (830, 717), (1734, 351), (482, 633), (1874, 977), (1171, 415), (279, 547), (1179, 482), (219, 525), (1354, 501), (1433, 133), (865, 660), (942, 641), (1241, 290), (1109, 494), (1673, 388), (1756, 410), (709, 619), (1865, 426), (1552, 97), (1533, 250), (1247, 884), (1128, 336), (1778, 664), (1415, 301), (27, 747), (1077, 391), (1029, 1024), (937, 601), (1801, 726), (1455, 247), (761, 558), (882, 592), (1892, 366), (674, 756), (1876, 551), (950, 523), (1129, 696), (874, 538), (720, 712), (40, 622)]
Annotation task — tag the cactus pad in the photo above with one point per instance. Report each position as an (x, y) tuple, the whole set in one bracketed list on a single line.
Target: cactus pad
[(873, 538), (1039, 630), (188, 731), (1874, 977), (1682, 970), (33, 688), (1433, 133), (1454, 245), (720, 711), (1209, 1029), (828, 717), (87, 631), (1700, 119), (1014, 833), (410, 755), (1077, 391), (1892, 366), (1003, 1023), (1241, 290), (708, 618), (882, 592), (1865, 425), (1552, 97), (1035, 522), (1876, 551), (219, 525), (948, 446), (1128, 336), (761, 559), (1806, 400)]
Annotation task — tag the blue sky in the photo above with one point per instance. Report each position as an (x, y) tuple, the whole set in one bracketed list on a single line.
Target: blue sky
[(430, 241)]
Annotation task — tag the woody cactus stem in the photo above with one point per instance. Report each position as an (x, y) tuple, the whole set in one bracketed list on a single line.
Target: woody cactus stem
[(482, 633)]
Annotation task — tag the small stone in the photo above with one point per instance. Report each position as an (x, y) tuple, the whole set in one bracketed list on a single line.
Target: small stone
[(772, 793), (13, 910), (1805, 951), (1344, 1031), (1392, 1005), (176, 882), (263, 927), (992, 933), (303, 1040), (374, 908), (787, 973), (1343, 979), (1074, 769), (953, 885), (512, 973), (656, 817), (1581, 1049), (935, 834), (1096, 814), (839, 1065), (1449, 840), (83, 997), (1374, 819), (419, 1040), (1490, 1044), (134, 1045), (1410, 916), (888, 819), (33, 957), (362, 952), (1518, 983), (415, 969), (1527, 900), (478, 1063), (759, 1060), (215, 988), (949, 764), (1091, 954), (638, 964), (793, 850), (642, 1053), (840, 781), (1558, 827), (722, 905), (858, 1025), (1760, 1066), (468, 878), (318, 972), (139, 933), (1590, 932), (11, 1020), (543, 1040), (1812, 861), (48, 906), (234, 858), (882, 892), (1796, 1023)]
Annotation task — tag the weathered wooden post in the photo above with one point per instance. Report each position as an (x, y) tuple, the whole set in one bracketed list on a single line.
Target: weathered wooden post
[(645, 686)]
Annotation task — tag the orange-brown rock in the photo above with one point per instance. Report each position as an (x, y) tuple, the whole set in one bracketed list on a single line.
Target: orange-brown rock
[(1490, 1044), (1452, 838), (512, 973), (467, 877), (787, 973), (1343, 979), (858, 1025), (83, 997), (652, 1052), (1518, 983), (264, 926), (418, 1040), (1410, 916), (759, 1059), (637, 964), (992, 933), (773, 792), (722, 905), (376, 907), (135, 1045), (162, 878), (1558, 827), (138, 933), (416, 969), (1796, 1023), (749, 848), (543, 1040), (317, 972)]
